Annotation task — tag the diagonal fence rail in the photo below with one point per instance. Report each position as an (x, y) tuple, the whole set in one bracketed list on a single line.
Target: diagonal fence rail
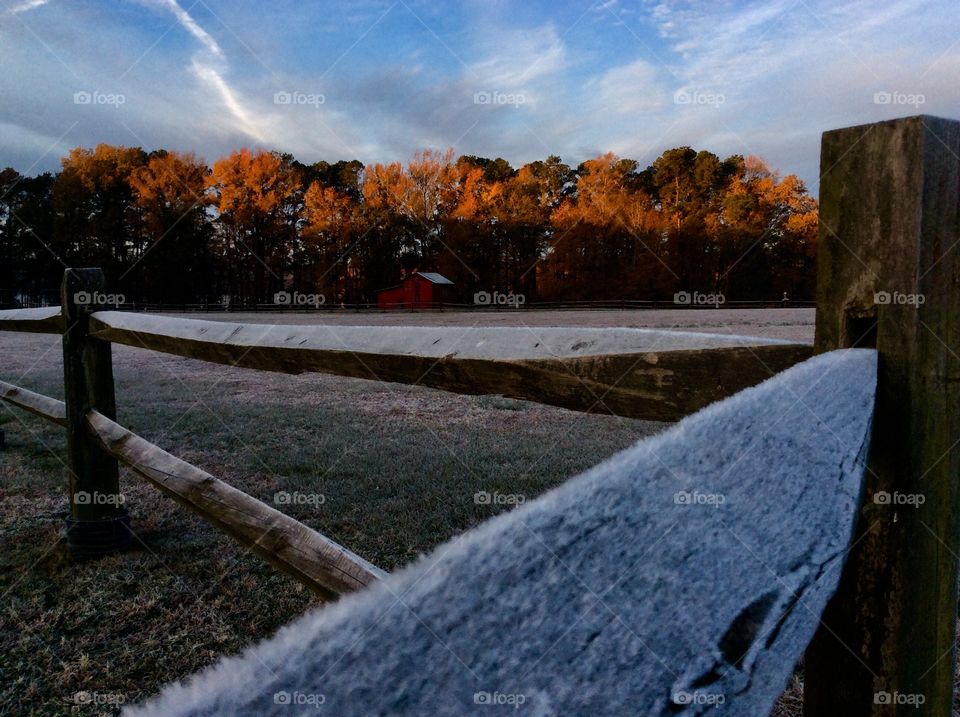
[(659, 583), (325, 567)]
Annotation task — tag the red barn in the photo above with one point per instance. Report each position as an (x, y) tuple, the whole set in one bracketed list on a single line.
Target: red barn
[(420, 290)]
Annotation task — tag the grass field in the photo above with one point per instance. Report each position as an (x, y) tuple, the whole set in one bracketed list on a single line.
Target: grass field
[(397, 468)]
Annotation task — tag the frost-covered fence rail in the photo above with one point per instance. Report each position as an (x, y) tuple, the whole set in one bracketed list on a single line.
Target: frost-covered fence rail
[(49, 408), (47, 320), (617, 593), (322, 565), (638, 373)]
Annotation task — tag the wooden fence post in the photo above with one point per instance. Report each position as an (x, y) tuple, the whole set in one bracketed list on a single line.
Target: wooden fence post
[(98, 522), (889, 276)]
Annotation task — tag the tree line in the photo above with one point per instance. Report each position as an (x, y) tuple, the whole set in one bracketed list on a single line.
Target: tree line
[(166, 227)]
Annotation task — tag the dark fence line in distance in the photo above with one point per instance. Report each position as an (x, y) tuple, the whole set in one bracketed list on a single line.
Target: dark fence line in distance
[(623, 305)]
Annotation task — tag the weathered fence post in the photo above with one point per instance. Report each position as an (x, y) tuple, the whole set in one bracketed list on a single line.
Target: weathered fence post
[(889, 276), (98, 522)]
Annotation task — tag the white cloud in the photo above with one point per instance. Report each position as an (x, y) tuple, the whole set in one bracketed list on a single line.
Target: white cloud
[(214, 80), (210, 71), (520, 57), (27, 5), (628, 89), (188, 23), (787, 71)]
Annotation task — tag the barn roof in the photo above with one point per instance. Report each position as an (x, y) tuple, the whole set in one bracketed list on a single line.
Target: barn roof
[(434, 277)]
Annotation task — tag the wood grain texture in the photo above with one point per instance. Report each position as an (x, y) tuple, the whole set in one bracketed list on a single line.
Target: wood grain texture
[(890, 222), (299, 551), (651, 385), (47, 320)]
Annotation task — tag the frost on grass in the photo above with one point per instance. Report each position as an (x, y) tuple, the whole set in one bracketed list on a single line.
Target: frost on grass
[(685, 573), (477, 342)]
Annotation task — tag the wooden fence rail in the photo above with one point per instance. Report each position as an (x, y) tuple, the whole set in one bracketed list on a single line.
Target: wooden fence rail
[(316, 561), (325, 567), (637, 373), (47, 320), (49, 408)]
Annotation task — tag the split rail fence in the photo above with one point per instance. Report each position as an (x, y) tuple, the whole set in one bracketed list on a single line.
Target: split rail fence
[(889, 226)]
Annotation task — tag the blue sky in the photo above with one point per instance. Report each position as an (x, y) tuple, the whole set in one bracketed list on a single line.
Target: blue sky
[(377, 80)]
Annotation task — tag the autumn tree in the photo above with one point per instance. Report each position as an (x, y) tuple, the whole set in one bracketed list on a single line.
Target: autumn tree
[(328, 236), (501, 226), (768, 229), (170, 191), (403, 215), (609, 239), (494, 170), (96, 221), (12, 260), (255, 196), (471, 250), (30, 267), (688, 189), (390, 240), (345, 176)]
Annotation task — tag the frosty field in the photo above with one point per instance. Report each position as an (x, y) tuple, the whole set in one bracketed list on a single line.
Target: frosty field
[(386, 470)]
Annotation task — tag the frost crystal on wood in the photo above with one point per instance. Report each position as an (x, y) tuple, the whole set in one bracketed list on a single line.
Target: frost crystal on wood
[(684, 574)]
